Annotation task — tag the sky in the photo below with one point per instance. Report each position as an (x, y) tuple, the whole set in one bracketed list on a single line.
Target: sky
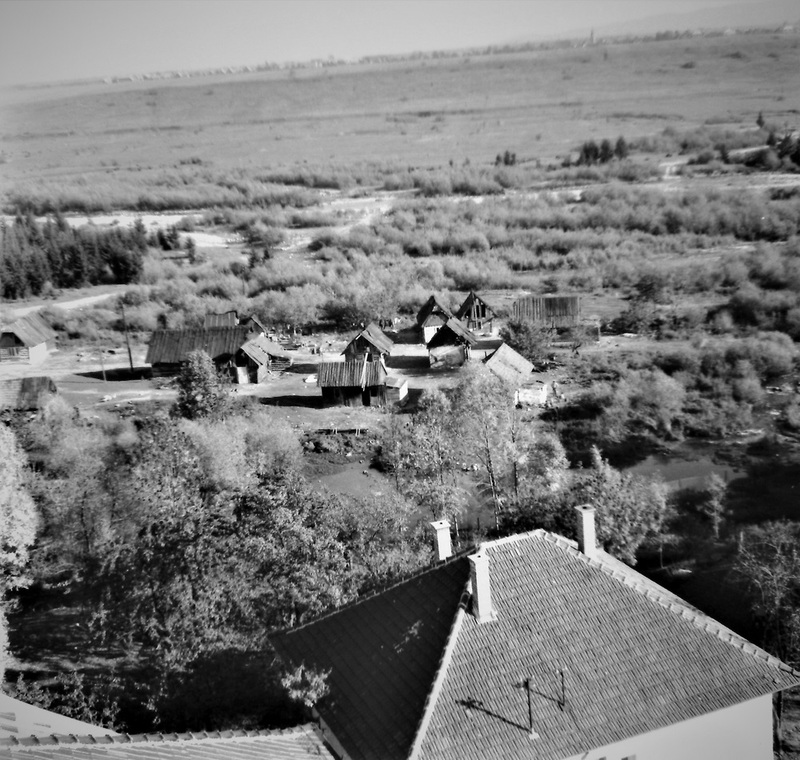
[(54, 40)]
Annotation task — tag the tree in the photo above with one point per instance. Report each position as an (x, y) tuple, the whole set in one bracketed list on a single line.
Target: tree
[(760, 120), (200, 389), (621, 148), (527, 339), (629, 509), (606, 151), (713, 504)]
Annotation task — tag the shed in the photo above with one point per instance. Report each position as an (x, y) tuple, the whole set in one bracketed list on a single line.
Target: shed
[(371, 342), (475, 313), (431, 317), (169, 349), (25, 394), (508, 365), (396, 390), (453, 333), (551, 311), (27, 340), (225, 319), (353, 383), (257, 357)]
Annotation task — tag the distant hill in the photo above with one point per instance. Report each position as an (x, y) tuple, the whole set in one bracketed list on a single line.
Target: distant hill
[(734, 15)]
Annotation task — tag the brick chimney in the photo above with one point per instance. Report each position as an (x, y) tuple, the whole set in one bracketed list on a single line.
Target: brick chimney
[(481, 587), (444, 548), (587, 536)]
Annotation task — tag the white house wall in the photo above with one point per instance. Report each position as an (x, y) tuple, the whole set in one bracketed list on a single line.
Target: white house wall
[(741, 732)]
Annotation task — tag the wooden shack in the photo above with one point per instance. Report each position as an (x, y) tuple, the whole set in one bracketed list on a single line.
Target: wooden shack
[(549, 311), (432, 316), (26, 394), (371, 342), (511, 367), (256, 358), (396, 390), (451, 344), (353, 383), (27, 340), (475, 313), (168, 350)]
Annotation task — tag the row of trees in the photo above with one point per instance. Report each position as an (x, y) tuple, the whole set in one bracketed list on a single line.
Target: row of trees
[(34, 256)]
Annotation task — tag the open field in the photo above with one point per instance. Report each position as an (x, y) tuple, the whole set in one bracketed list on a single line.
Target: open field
[(539, 104)]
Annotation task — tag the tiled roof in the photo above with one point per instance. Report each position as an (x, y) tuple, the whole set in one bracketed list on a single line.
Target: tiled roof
[(174, 346), (300, 743), (433, 312), (634, 658), (355, 374), (374, 335), (261, 349), (31, 329), (19, 719), (507, 364), (453, 332), (383, 653)]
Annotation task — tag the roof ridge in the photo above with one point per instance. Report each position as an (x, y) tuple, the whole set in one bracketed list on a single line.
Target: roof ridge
[(653, 591), (378, 590), (60, 740), (441, 672)]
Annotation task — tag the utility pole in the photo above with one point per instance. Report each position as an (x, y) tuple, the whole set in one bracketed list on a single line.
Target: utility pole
[(127, 339)]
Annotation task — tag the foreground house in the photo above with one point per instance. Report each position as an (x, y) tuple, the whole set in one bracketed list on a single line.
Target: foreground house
[(353, 383), (475, 313), (27, 340), (371, 342), (515, 370), (531, 647), (431, 317)]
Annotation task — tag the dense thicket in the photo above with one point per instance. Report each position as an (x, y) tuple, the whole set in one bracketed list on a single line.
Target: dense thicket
[(37, 256)]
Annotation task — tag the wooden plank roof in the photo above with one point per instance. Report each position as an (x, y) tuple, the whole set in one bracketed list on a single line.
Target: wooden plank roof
[(433, 311), (261, 350), (353, 374), (375, 336), (31, 330), (26, 393), (413, 674), (453, 332), (508, 365), (174, 346), (226, 319)]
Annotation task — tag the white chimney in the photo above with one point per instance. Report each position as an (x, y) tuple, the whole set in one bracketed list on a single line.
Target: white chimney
[(481, 587), (587, 536), (444, 548)]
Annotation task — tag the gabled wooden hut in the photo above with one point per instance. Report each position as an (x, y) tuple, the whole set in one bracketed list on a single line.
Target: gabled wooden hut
[(431, 317), (169, 349), (27, 340), (257, 357), (475, 313), (353, 383), (451, 344), (550, 311), (371, 342)]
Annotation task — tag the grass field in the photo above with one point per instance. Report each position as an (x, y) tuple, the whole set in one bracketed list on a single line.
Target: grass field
[(539, 104)]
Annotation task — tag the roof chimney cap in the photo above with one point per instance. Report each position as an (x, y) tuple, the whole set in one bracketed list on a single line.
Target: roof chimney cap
[(587, 534), (444, 547)]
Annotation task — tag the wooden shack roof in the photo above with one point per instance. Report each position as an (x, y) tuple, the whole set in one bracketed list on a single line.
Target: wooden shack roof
[(453, 332), (465, 307), (508, 365), (356, 374), (174, 346), (31, 330), (547, 308), (226, 319), (375, 336), (261, 350), (432, 308)]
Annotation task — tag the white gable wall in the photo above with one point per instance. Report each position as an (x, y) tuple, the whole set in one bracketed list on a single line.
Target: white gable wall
[(741, 731)]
